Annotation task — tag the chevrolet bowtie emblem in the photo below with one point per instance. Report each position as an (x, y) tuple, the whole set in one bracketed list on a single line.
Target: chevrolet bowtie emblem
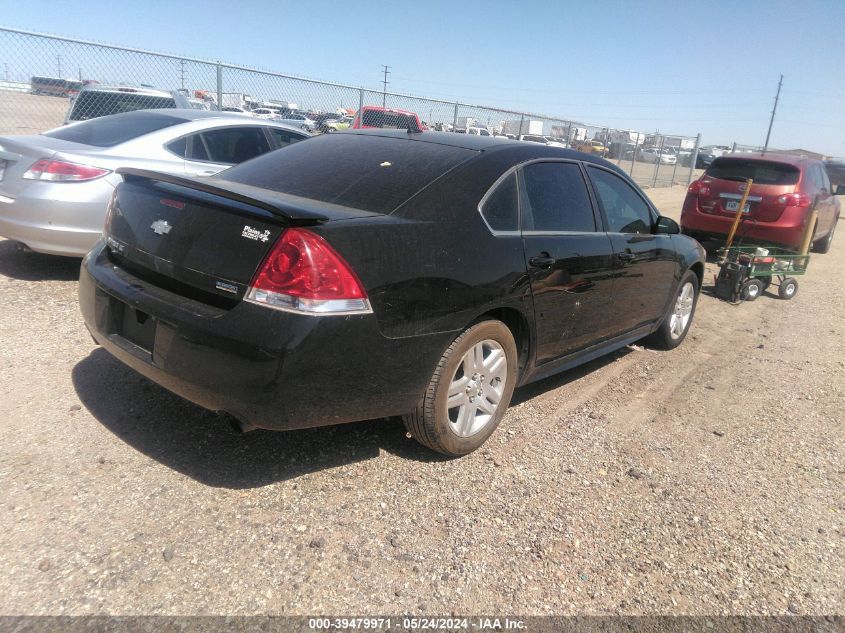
[(160, 227)]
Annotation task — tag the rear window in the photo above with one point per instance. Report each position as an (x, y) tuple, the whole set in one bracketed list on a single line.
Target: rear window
[(393, 120), (89, 105), (364, 172), (763, 172), (111, 131)]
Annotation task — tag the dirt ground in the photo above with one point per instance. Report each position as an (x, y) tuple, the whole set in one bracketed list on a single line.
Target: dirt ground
[(706, 480), (22, 113)]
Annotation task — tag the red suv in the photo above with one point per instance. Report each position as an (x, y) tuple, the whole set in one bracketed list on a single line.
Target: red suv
[(378, 117), (785, 189)]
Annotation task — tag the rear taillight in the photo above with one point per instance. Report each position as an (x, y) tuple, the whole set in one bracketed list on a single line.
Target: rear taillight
[(795, 200), (303, 274), (61, 171), (700, 188)]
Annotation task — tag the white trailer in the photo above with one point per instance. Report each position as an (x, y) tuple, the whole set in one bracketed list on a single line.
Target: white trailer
[(518, 127)]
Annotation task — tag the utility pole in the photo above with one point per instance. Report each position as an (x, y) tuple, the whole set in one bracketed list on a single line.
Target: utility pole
[(385, 82), (59, 63), (182, 72), (772, 120)]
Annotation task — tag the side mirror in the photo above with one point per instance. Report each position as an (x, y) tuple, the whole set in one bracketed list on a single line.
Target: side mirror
[(839, 191), (667, 226)]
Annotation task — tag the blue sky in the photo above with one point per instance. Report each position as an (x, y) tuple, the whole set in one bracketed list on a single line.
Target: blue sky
[(680, 67)]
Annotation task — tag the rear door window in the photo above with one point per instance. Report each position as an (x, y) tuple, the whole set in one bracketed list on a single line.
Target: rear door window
[(283, 138), (763, 172), (233, 145), (624, 208), (556, 199), (501, 208)]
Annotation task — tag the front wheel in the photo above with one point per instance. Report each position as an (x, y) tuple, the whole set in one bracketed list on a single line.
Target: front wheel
[(469, 392), (677, 321)]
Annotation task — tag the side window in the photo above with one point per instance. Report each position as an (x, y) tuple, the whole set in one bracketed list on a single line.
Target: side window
[(190, 147), (501, 209), (234, 145), (826, 180), (283, 138), (626, 211), (556, 198), (179, 146)]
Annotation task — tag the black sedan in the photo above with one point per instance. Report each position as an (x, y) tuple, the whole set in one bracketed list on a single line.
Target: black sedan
[(384, 273)]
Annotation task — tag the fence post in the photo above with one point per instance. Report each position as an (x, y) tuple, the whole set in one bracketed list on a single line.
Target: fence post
[(360, 102), (634, 155), (219, 85), (733, 149), (455, 118), (657, 161), (693, 158), (677, 160), (569, 133)]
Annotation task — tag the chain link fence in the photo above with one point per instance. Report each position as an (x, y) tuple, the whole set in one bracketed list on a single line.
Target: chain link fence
[(46, 81)]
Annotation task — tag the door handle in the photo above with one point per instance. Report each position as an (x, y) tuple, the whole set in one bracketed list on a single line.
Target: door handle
[(543, 260), (625, 256)]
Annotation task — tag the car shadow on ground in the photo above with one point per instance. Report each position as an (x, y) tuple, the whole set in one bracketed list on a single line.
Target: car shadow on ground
[(29, 266), (203, 446)]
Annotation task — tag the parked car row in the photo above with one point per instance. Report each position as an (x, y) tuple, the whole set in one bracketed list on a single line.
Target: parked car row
[(56, 185)]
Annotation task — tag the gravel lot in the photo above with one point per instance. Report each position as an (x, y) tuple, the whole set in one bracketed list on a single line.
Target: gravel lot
[(707, 480)]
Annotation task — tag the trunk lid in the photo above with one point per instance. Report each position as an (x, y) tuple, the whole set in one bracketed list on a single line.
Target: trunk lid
[(202, 238)]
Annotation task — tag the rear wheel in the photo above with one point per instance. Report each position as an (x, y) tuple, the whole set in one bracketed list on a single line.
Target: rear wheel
[(788, 288), (469, 392), (823, 245), (677, 321)]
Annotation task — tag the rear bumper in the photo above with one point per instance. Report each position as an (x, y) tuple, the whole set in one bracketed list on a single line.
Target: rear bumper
[(787, 231), (57, 219), (268, 368)]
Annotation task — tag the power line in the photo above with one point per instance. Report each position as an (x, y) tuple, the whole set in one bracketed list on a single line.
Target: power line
[(772, 120), (385, 82)]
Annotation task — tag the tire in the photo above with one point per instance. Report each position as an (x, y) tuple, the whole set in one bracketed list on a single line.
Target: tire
[(461, 429), (751, 289), (788, 288), (823, 245), (673, 330)]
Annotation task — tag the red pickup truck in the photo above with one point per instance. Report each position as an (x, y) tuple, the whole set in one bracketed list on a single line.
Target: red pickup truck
[(390, 118)]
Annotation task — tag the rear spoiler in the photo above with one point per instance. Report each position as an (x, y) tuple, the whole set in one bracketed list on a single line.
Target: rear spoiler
[(291, 209)]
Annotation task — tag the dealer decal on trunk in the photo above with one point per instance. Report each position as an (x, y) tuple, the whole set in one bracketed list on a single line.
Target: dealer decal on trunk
[(254, 234)]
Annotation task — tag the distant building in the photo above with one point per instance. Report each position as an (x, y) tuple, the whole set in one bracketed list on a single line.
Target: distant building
[(805, 153)]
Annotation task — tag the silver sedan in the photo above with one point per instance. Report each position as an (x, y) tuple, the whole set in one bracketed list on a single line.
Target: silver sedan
[(55, 186)]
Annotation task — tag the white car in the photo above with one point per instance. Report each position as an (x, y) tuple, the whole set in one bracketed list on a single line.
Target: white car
[(298, 120), (654, 155), (478, 131), (55, 186), (534, 138), (264, 113)]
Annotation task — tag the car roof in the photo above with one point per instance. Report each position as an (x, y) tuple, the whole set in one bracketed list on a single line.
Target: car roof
[(189, 114), (125, 88), (520, 151), (787, 159)]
